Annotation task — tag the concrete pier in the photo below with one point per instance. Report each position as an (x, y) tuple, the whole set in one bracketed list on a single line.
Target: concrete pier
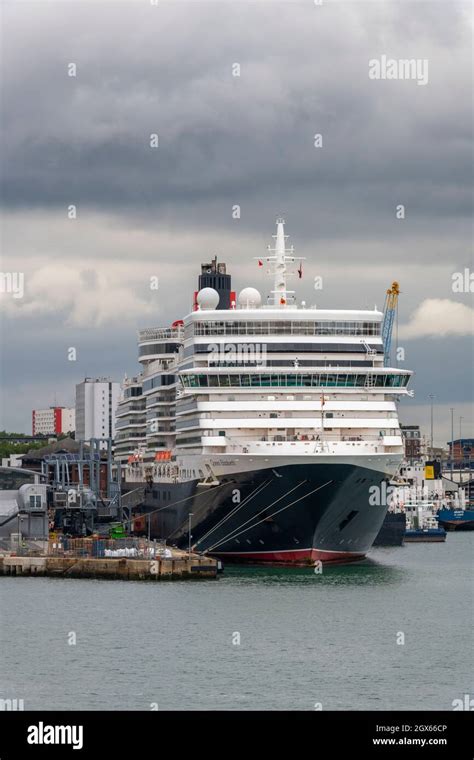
[(180, 566)]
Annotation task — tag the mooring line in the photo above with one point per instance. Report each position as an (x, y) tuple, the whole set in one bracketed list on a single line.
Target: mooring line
[(234, 511), (268, 506), (270, 516)]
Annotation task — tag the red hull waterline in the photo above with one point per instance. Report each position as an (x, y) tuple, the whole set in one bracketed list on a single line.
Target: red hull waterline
[(292, 557)]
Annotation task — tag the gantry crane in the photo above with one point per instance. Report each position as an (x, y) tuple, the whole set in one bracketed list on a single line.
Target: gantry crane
[(389, 311)]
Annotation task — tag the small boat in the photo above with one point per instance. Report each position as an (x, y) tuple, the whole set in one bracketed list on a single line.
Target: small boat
[(422, 525)]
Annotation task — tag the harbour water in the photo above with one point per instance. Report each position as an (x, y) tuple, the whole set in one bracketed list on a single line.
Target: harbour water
[(305, 639)]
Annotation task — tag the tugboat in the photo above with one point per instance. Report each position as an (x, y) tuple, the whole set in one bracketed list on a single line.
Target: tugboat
[(422, 525)]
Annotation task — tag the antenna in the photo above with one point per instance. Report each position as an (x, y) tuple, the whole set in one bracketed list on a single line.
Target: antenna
[(278, 257)]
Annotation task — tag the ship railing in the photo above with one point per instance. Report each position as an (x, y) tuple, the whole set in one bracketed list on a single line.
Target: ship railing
[(160, 333), (317, 445), (158, 365), (131, 407), (138, 472), (318, 437), (266, 444)]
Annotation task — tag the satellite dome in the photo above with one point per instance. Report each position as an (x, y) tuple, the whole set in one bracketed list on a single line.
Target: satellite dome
[(208, 298), (250, 298)]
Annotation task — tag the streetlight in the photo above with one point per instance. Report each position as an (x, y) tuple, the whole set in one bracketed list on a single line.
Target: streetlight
[(461, 452), (452, 441), (189, 532), (432, 397)]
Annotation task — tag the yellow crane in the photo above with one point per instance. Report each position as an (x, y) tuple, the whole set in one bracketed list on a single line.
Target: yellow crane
[(389, 311)]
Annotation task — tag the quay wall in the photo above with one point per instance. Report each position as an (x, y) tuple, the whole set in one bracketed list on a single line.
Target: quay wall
[(112, 568)]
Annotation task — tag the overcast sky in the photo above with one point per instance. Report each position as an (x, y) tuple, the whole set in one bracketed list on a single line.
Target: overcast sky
[(229, 140)]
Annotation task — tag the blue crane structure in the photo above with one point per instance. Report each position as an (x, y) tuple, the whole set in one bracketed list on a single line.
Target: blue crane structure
[(389, 311)]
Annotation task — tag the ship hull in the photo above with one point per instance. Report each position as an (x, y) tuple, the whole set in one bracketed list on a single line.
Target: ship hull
[(456, 519), (434, 535), (392, 532), (292, 514)]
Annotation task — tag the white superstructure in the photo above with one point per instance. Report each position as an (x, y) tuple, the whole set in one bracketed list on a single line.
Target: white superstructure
[(147, 408), (285, 381), (263, 383)]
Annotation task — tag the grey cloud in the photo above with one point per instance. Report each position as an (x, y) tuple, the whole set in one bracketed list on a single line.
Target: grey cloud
[(225, 141), (168, 70)]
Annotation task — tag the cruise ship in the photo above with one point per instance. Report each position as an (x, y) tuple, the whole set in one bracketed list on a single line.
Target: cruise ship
[(261, 429)]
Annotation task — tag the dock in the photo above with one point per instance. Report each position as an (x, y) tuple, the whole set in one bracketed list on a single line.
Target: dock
[(129, 559), (114, 569)]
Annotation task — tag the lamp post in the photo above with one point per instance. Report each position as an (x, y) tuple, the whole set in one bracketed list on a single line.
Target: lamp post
[(431, 397), (452, 441), (189, 532), (323, 401)]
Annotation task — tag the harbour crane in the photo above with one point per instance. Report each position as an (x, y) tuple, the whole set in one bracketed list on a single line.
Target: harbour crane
[(389, 311)]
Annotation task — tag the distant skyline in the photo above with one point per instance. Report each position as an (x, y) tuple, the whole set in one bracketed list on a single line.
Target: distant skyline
[(156, 122)]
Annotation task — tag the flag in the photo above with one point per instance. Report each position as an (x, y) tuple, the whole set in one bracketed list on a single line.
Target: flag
[(300, 271), (260, 263)]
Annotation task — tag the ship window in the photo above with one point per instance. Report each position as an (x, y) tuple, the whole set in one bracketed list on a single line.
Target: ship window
[(334, 379), (347, 519)]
